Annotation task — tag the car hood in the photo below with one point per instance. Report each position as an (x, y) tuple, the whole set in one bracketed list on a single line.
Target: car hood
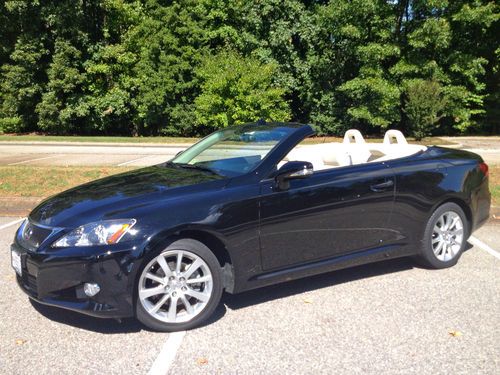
[(119, 195)]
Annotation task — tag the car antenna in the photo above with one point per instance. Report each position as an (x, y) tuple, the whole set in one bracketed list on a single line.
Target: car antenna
[(261, 121)]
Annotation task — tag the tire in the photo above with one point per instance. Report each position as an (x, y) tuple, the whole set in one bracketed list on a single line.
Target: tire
[(442, 246), (159, 287)]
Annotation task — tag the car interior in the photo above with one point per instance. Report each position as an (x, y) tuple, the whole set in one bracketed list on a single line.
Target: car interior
[(353, 150)]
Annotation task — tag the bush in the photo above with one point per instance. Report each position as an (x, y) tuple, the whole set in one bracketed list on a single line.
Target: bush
[(424, 106), (236, 89), (10, 125)]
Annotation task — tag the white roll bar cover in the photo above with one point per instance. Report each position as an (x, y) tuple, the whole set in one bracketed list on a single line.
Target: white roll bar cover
[(394, 134), (353, 136)]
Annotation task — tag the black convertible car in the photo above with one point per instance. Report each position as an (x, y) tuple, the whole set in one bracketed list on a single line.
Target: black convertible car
[(245, 207)]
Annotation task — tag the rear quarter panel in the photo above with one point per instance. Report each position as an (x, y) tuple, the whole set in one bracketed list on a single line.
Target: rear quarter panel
[(431, 178)]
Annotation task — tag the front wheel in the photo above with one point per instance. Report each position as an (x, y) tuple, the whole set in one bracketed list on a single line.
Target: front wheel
[(179, 287), (445, 237)]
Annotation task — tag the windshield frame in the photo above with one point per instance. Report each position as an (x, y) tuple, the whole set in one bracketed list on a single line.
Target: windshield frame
[(183, 159)]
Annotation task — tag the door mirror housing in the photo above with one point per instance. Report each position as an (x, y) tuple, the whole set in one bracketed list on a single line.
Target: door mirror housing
[(291, 171)]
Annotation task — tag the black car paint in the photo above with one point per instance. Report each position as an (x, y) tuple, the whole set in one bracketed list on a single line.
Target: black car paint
[(260, 234)]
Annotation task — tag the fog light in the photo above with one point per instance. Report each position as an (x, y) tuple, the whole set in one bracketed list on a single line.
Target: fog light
[(91, 289)]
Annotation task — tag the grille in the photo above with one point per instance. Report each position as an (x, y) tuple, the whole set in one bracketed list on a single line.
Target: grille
[(33, 235), (29, 283), (32, 284)]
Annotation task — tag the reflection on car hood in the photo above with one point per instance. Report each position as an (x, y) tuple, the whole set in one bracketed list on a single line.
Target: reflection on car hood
[(117, 195)]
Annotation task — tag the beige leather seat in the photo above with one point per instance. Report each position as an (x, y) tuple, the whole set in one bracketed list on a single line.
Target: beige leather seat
[(307, 153)]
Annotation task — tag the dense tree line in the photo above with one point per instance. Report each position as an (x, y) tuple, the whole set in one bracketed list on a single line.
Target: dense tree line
[(142, 67)]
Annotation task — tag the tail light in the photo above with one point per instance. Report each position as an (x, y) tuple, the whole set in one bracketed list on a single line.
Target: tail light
[(484, 168)]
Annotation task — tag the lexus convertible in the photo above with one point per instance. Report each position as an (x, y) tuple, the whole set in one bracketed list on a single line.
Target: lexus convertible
[(245, 207)]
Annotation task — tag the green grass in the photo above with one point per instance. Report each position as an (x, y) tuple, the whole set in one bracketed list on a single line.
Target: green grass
[(29, 181), (495, 195), (495, 184), (99, 139)]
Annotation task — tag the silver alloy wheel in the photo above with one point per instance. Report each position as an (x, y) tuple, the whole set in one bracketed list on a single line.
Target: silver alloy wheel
[(175, 286), (447, 236)]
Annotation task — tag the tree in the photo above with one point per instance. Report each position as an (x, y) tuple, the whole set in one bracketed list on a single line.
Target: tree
[(424, 106), (135, 67), (20, 87), (22, 56), (236, 89), (168, 44), (353, 51), (59, 108), (440, 41)]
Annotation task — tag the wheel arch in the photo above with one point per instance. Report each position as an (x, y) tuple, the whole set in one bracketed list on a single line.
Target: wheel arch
[(208, 238), (463, 205)]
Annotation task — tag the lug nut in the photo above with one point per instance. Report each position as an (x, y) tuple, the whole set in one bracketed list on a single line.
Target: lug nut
[(184, 288), (171, 278), (174, 294), (182, 279)]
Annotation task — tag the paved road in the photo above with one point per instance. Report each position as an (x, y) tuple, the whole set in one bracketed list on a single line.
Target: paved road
[(42, 153), (389, 318), (487, 147), (85, 154)]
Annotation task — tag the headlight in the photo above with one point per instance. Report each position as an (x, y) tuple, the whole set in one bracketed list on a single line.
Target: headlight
[(106, 232)]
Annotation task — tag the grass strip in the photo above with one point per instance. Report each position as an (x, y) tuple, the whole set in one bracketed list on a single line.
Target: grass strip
[(43, 181)]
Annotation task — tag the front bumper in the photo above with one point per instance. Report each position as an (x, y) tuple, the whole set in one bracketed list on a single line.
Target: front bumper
[(58, 281)]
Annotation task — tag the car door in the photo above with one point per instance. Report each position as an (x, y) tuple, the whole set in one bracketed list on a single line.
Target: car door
[(331, 213)]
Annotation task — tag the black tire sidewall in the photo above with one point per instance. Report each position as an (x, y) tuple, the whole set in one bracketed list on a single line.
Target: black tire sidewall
[(203, 252), (427, 254)]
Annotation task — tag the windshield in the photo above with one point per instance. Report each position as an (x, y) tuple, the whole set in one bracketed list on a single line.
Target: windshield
[(233, 151)]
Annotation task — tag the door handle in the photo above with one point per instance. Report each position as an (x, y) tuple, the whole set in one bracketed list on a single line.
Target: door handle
[(382, 186)]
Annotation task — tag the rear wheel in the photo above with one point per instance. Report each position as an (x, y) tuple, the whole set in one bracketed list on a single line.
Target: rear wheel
[(445, 237), (179, 287)]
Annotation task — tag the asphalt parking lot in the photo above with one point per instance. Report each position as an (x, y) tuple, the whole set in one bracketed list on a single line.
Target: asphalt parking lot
[(389, 318)]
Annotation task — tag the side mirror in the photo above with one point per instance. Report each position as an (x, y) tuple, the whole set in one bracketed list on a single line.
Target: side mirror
[(291, 171)]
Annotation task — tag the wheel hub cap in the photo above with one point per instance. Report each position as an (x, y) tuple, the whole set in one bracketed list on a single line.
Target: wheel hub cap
[(447, 236), (175, 286)]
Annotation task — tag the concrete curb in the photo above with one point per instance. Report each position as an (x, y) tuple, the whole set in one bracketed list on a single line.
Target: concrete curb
[(18, 206)]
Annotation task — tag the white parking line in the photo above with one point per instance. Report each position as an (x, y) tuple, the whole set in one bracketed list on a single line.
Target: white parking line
[(477, 242), (30, 160), (131, 161), (162, 363), (11, 223)]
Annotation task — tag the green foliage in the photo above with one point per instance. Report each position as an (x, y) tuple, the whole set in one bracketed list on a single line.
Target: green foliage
[(20, 87), (237, 90), (59, 108), (375, 101), (183, 68), (424, 106)]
